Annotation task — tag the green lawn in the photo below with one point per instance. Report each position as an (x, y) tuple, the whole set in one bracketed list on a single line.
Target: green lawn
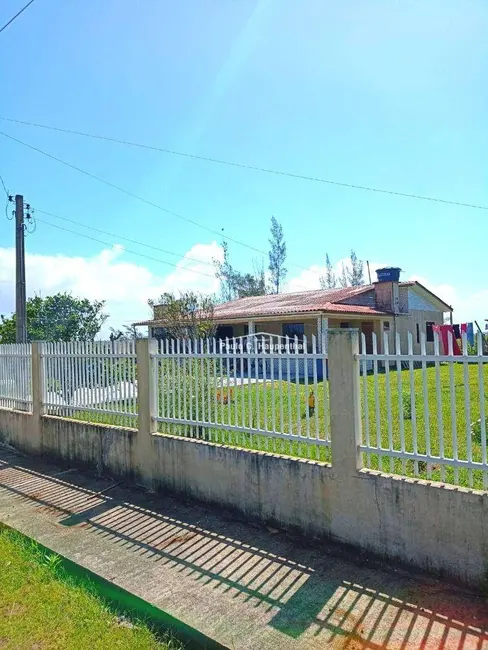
[(265, 406), (434, 412), (41, 608)]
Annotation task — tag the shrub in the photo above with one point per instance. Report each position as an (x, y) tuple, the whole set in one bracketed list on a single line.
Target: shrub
[(476, 429), (407, 405)]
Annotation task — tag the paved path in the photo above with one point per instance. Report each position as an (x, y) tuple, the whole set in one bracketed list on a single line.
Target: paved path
[(244, 585)]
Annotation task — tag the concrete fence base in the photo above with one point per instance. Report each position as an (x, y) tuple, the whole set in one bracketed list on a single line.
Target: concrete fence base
[(431, 526), (434, 527)]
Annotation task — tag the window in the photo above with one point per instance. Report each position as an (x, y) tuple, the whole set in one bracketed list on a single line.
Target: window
[(344, 326), (294, 329), (429, 331), (224, 332), (418, 333), (386, 326)]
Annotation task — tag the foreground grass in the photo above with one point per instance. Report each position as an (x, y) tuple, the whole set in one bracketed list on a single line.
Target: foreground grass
[(265, 405), (41, 608)]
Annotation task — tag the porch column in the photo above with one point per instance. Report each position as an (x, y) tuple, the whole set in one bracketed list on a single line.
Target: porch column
[(251, 327), (322, 327)]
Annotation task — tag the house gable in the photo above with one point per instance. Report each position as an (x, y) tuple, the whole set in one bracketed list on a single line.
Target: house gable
[(422, 300)]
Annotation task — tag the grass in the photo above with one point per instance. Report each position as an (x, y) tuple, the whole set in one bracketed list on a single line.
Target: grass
[(259, 406), (42, 608), (435, 421)]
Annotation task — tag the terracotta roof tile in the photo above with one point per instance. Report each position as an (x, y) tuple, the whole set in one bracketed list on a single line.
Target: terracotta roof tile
[(291, 303), (317, 300)]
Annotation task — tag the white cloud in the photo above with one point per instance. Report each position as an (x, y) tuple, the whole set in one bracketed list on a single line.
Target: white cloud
[(124, 285)]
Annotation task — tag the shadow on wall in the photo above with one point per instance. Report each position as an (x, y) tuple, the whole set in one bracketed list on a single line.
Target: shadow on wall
[(302, 592)]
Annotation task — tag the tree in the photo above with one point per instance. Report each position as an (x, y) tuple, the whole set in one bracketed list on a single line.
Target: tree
[(188, 317), (328, 281), (128, 333), (277, 256), (344, 279), (227, 275), (234, 284), (356, 271), (57, 318)]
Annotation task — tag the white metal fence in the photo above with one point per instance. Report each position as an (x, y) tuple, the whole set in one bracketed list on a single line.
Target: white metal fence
[(95, 381), (426, 415), (423, 415), (263, 393), (16, 376)]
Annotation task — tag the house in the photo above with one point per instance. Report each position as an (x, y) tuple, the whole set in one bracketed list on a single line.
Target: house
[(388, 306)]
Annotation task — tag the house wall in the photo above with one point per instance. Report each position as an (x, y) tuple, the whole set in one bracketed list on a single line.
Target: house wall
[(418, 302), (276, 327), (405, 324)]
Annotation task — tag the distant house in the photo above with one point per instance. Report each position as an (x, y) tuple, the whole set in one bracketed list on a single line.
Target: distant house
[(388, 306)]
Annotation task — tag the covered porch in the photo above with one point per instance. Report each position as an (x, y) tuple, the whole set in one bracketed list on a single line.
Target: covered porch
[(306, 328)]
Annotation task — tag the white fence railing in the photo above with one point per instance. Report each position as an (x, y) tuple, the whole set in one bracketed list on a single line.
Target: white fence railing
[(425, 415), (16, 376), (265, 393), (94, 381)]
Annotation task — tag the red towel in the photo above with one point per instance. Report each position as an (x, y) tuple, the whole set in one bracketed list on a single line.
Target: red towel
[(443, 331)]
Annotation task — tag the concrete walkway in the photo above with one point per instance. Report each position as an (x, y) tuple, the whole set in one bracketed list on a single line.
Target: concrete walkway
[(244, 585)]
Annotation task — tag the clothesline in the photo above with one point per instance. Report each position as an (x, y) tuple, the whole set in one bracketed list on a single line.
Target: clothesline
[(456, 331)]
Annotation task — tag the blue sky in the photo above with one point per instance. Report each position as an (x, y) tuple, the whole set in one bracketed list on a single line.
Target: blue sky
[(384, 94)]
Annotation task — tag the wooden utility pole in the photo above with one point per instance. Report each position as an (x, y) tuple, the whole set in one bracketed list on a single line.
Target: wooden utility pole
[(20, 296)]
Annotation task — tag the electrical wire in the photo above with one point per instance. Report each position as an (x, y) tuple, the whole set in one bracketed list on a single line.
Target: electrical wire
[(4, 187), (142, 199), (127, 250), (16, 16), (7, 194), (265, 170), (132, 241), (131, 194)]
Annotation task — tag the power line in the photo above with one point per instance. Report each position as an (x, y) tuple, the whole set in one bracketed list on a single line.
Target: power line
[(3, 185), (127, 250), (266, 170), (133, 241), (16, 15), (140, 198), (131, 194)]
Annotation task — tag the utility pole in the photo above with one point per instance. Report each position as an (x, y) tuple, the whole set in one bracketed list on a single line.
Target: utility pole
[(20, 296)]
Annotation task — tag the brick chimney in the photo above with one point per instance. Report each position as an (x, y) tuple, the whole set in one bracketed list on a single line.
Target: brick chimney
[(386, 289)]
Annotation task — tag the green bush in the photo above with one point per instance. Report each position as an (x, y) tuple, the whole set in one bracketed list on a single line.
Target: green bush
[(476, 429), (407, 405)]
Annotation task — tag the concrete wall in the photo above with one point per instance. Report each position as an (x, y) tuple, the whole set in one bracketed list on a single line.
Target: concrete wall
[(432, 526)]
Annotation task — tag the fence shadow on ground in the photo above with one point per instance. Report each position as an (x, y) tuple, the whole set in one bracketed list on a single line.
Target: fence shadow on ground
[(330, 596)]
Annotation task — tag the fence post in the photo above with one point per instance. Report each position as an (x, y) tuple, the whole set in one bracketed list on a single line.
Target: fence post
[(345, 401), (147, 399), (37, 396)]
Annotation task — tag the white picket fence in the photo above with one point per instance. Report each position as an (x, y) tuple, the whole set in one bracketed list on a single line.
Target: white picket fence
[(16, 376), (94, 380), (264, 393), (426, 415)]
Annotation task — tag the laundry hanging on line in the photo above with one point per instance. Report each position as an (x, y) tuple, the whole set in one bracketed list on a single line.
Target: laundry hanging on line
[(469, 330), (443, 331), (464, 328)]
